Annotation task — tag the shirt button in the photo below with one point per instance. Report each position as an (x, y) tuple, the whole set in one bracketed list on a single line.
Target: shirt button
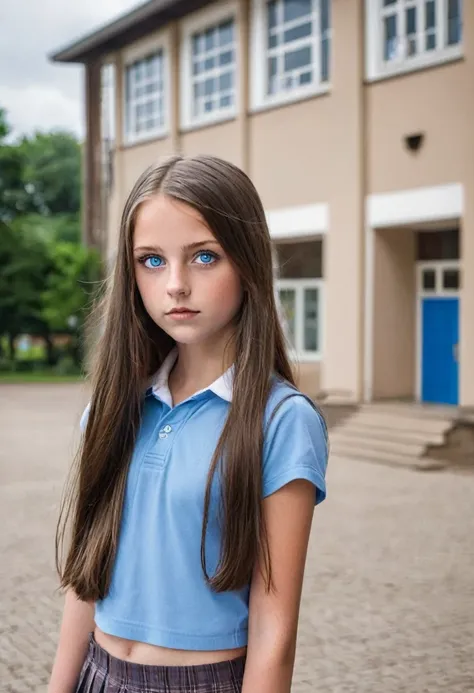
[(167, 429)]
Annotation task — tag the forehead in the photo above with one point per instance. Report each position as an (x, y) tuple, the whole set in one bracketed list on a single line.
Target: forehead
[(162, 219)]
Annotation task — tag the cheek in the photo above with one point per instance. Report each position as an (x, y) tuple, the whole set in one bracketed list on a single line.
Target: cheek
[(147, 286), (227, 289)]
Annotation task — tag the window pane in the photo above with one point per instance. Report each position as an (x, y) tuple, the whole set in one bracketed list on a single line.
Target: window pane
[(273, 40), (386, 3), (209, 86), (225, 81), (325, 60), (429, 280), (325, 15), (311, 319), (226, 58), (451, 279), (390, 40), (225, 101), (288, 305), (296, 59), (198, 44), (430, 25), (430, 14), (438, 245), (431, 42), (210, 39), (272, 71), (272, 14), (226, 33), (139, 71), (292, 9), (300, 260), (411, 30), (454, 22), (209, 63), (306, 77), (298, 32)]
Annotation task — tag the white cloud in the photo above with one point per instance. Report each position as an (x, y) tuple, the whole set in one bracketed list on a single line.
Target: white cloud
[(38, 94), (42, 108)]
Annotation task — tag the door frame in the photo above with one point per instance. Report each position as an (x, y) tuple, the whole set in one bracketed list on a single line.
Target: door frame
[(438, 292)]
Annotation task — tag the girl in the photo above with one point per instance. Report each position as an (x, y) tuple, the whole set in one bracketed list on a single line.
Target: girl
[(200, 463)]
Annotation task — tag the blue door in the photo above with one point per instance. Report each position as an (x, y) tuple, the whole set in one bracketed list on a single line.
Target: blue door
[(440, 336)]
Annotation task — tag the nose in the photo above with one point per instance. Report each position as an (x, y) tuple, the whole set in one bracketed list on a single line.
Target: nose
[(178, 284)]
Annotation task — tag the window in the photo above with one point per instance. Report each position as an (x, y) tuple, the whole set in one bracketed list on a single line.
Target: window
[(439, 278), (409, 34), (438, 245), (299, 288), (145, 97), (292, 48), (209, 67), (300, 303)]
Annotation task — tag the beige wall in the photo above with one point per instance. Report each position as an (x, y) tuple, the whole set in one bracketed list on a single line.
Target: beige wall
[(427, 101), (295, 143), (308, 377), (221, 140), (394, 336)]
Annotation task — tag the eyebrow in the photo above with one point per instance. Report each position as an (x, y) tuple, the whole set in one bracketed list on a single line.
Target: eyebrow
[(190, 246)]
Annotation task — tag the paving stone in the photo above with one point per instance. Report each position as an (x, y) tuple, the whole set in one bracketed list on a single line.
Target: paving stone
[(388, 601)]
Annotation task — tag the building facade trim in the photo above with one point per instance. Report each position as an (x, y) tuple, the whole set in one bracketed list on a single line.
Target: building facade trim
[(298, 222), (415, 206)]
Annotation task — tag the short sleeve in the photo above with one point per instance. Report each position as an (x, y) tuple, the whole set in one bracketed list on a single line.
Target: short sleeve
[(295, 447), (84, 418)]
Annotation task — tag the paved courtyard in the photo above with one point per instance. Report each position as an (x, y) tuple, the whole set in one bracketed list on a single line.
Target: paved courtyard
[(388, 602)]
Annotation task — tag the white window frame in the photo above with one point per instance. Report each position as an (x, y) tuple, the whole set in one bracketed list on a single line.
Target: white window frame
[(438, 267), (259, 98), (378, 68), (298, 353), (140, 51), (197, 23)]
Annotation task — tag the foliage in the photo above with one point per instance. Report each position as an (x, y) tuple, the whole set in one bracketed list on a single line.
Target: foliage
[(69, 286), (46, 275), (39, 174)]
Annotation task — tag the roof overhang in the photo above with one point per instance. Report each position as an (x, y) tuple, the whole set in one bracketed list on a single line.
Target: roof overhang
[(127, 28)]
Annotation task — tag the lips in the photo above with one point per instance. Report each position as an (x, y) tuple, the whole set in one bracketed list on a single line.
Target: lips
[(178, 311)]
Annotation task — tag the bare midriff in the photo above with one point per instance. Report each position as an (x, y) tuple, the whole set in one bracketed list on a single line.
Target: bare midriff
[(143, 653)]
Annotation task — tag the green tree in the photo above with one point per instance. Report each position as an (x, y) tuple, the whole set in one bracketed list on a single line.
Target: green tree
[(52, 172), (25, 263), (46, 276), (70, 287), (4, 127)]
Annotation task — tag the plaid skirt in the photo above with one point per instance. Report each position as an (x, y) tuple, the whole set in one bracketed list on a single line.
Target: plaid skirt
[(103, 673)]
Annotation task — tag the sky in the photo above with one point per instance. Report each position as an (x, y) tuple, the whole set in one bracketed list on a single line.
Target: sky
[(36, 93)]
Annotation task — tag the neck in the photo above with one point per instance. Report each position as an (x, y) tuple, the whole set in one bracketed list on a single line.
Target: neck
[(198, 365)]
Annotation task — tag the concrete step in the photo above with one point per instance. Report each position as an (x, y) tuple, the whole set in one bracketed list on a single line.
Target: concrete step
[(388, 458), (412, 410), (359, 430), (346, 440), (401, 423)]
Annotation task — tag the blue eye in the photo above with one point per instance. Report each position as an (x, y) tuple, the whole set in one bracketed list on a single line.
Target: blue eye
[(152, 262), (207, 258)]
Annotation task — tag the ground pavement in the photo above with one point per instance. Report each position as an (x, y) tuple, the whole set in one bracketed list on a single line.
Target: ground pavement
[(388, 603)]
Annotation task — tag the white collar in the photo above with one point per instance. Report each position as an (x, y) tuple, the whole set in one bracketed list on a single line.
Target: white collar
[(222, 387)]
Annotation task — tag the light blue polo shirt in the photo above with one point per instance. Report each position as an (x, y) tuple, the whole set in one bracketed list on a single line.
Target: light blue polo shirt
[(158, 593)]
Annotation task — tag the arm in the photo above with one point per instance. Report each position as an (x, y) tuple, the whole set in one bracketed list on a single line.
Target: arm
[(77, 623), (273, 617)]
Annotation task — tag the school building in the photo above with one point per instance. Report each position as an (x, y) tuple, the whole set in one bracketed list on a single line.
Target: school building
[(355, 120)]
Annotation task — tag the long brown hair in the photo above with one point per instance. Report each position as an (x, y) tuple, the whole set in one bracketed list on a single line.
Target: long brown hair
[(130, 350)]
